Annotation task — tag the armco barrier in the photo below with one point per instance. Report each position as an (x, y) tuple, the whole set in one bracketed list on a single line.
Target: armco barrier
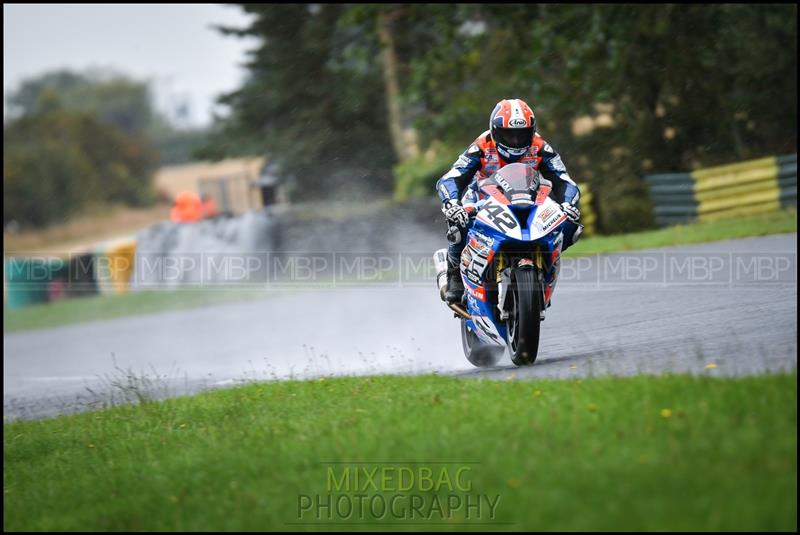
[(752, 187), (787, 179), (673, 198)]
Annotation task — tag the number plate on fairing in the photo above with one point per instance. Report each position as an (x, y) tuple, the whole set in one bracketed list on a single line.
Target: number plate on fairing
[(499, 217), (476, 256)]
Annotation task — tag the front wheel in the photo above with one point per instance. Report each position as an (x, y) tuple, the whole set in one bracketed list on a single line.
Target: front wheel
[(477, 352), (524, 316)]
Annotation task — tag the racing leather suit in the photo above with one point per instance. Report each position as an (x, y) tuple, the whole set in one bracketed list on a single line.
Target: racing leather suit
[(481, 160)]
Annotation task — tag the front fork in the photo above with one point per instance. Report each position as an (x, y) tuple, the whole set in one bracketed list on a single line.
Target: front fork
[(543, 265)]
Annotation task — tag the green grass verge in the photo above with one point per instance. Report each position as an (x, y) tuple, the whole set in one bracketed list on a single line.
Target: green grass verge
[(641, 453), (70, 311), (83, 309), (728, 229)]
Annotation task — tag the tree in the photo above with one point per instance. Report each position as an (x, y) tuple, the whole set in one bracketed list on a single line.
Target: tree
[(313, 101), (116, 99), (686, 86), (664, 88), (57, 162), (680, 86)]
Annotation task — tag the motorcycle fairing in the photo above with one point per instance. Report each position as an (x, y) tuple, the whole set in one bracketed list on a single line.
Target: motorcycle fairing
[(496, 224)]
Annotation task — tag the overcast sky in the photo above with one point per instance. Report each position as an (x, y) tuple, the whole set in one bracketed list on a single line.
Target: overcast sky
[(171, 44)]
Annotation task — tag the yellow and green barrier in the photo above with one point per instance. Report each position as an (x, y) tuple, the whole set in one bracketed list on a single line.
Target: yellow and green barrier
[(41, 279), (114, 265), (752, 187), (588, 215)]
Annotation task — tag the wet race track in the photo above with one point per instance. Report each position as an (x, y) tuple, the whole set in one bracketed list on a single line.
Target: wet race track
[(730, 305)]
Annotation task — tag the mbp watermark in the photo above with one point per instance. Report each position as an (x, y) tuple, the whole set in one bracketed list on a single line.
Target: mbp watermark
[(145, 270), (397, 492), (672, 268)]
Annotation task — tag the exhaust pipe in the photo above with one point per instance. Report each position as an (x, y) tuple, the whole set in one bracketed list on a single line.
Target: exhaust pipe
[(460, 312)]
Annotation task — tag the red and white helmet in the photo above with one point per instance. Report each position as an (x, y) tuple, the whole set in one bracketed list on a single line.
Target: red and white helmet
[(512, 125)]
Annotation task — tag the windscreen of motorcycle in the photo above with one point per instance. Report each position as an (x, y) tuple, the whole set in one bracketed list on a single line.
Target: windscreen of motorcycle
[(515, 184), (516, 181)]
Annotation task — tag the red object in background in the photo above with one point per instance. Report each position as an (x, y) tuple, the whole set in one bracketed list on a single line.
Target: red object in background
[(188, 208), (210, 207), (56, 289)]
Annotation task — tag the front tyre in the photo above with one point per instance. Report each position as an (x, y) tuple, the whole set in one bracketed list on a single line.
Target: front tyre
[(477, 352), (524, 316)]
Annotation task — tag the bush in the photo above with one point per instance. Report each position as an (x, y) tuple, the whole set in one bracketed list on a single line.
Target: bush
[(624, 206), (417, 177), (56, 162)]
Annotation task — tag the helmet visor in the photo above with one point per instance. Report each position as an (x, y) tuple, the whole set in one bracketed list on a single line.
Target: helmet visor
[(514, 138)]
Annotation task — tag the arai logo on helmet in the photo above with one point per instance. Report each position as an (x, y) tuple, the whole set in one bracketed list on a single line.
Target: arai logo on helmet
[(513, 123)]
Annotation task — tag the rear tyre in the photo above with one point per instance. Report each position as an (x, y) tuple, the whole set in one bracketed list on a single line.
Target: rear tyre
[(477, 352), (523, 319)]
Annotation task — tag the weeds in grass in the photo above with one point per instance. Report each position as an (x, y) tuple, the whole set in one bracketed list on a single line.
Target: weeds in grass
[(126, 386)]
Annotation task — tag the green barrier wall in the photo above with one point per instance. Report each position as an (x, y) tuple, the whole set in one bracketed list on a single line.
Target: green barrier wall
[(30, 280)]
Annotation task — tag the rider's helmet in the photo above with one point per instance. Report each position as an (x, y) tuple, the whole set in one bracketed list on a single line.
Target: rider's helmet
[(512, 125)]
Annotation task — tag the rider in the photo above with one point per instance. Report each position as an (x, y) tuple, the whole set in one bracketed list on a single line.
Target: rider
[(511, 138)]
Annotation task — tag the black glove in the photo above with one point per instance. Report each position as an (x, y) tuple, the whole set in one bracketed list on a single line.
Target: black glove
[(455, 213), (573, 214)]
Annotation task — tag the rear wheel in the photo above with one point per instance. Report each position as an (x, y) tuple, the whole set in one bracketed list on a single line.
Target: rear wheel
[(477, 352), (523, 319)]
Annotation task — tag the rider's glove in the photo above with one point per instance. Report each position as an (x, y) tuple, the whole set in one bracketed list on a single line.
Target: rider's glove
[(572, 212), (455, 213)]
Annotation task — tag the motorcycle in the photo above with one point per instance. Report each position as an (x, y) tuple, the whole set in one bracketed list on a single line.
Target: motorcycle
[(509, 266)]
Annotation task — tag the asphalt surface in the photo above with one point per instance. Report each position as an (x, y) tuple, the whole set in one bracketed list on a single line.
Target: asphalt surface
[(723, 308)]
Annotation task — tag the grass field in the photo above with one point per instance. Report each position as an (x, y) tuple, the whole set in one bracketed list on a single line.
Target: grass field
[(81, 233), (642, 453), (104, 307), (78, 310), (727, 229)]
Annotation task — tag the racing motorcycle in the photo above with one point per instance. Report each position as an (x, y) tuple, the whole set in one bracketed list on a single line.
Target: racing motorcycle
[(509, 265)]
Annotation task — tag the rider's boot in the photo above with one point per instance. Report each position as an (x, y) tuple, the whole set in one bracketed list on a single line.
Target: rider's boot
[(455, 286)]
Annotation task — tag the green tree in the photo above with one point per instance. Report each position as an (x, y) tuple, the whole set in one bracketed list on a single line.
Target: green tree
[(313, 101), (687, 86), (664, 88), (116, 99), (684, 86), (56, 162)]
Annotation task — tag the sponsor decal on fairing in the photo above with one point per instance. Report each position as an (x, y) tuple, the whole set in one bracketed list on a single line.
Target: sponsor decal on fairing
[(487, 331)]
